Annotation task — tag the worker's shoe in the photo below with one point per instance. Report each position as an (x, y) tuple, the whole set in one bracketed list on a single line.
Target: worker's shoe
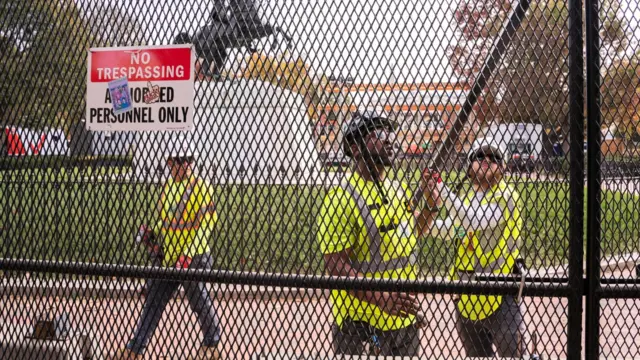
[(207, 353), (127, 354)]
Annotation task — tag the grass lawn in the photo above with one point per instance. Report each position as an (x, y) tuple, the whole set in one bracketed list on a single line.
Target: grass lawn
[(261, 228)]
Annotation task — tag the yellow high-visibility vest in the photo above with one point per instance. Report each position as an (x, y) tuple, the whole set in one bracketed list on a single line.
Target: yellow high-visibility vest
[(489, 251), (188, 216), (382, 240)]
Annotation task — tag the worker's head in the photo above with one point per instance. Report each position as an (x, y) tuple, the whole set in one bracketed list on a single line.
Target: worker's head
[(180, 163), (369, 137), (487, 161)]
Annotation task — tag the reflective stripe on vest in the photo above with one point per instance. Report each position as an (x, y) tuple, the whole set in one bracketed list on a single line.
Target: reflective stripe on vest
[(195, 224), (376, 263), (179, 208)]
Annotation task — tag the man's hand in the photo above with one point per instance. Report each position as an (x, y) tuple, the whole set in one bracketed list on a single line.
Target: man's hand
[(154, 250), (431, 183), (183, 262), (145, 234), (395, 303), (147, 237)]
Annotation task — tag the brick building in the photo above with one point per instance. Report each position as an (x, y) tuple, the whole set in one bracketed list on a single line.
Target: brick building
[(424, 112)]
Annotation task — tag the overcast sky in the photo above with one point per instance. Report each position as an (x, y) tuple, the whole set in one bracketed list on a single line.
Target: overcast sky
[(631, 14), (401, 39)]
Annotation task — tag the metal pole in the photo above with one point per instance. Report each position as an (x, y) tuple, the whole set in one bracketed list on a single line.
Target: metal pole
[(480, 83), (592, 312), (576, 180), (615, 291), (447, 146), (6, 212), (7, 222)]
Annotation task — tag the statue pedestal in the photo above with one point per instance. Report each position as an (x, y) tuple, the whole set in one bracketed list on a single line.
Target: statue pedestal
[(246, 131)]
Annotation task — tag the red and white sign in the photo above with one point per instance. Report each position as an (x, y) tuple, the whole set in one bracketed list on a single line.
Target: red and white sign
[(160, 82)]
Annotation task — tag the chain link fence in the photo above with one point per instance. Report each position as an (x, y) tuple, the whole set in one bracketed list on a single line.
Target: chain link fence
[(407, 178), (617, 116)]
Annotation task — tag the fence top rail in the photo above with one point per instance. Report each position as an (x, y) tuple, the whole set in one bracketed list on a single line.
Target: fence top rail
[(497, 286)]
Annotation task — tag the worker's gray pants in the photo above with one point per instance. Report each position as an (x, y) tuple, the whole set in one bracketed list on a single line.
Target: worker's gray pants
[(504, 328), (159, 292), (352, 336)]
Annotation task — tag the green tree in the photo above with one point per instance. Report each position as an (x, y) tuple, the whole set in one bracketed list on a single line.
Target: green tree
[(619, 96), (44, 73), (530, 84)]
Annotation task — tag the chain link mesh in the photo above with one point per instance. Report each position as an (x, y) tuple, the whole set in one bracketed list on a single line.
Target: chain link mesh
[(478, 92), (619, 174)]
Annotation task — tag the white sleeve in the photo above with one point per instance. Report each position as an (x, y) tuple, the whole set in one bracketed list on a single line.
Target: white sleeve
[(441, 229), (475, 216)]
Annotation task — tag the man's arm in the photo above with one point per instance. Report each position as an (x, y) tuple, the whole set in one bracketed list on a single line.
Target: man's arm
[(475, 215), (397, 304), (424, 221), (428, 225), (335, 234), (158, 220), (339, 264), (336, 237), (206, 215)]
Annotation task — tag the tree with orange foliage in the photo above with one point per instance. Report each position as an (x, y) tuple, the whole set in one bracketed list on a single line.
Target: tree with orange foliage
[(530, 84)]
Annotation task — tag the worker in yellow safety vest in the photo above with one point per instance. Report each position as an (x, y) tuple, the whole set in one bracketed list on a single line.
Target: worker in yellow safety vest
[(367, 229), (187, 218), (486, 223)]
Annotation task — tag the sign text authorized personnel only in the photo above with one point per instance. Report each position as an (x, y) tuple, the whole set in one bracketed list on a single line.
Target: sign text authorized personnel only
[(160, 84)]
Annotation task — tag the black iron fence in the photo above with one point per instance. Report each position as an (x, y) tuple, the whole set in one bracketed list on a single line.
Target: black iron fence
[(528, 110)]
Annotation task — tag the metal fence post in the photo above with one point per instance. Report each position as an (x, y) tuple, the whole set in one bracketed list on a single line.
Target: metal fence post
[(592, 312), (576, 183)]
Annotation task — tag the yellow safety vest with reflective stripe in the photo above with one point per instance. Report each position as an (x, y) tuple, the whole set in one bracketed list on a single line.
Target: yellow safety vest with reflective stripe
[(188, 216), (489, 251), (382, 240)]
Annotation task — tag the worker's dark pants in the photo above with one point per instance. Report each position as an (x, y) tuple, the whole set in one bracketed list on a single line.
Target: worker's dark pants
[(352, 336), (158, 295), (505, 329)]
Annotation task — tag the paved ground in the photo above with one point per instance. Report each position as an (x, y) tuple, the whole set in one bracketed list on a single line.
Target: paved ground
[(267, 322), (303, 324), (252, 326)]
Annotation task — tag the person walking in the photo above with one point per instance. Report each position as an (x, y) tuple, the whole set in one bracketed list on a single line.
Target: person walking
[(188, 216)]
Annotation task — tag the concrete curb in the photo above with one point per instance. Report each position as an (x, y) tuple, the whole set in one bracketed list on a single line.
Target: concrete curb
[(115, 289)]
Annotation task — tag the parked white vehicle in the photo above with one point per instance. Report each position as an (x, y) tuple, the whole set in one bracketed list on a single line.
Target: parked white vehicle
[(523, 141)]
